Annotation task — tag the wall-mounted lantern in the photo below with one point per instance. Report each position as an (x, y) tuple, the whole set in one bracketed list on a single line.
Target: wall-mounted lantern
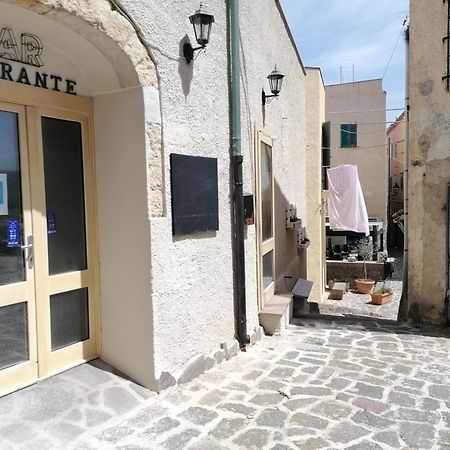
[(202, 22), (275, 81)]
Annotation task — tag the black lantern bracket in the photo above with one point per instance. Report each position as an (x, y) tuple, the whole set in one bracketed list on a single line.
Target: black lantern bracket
[(265, 97), (188, 51), (202, 22)]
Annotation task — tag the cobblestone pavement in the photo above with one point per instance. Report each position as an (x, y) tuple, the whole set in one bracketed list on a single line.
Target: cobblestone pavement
[(332, 384), (354, 304), (361, 305)]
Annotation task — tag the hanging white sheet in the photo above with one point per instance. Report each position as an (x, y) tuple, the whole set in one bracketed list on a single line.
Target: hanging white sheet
[(346, 206)]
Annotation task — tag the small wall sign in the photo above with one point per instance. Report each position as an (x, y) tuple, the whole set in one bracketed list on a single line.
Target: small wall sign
[(30, 53), (51, 222), (3, 194), (13, 230)]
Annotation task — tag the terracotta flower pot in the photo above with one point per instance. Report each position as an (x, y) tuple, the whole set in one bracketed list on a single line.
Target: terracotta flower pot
[(381, 299), (365, 286)]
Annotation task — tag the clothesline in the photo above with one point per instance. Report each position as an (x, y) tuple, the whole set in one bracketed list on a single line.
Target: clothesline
[(364, 148)]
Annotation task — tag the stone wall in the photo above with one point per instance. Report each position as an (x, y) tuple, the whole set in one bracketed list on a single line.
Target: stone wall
[(429, 163), (350, 271)]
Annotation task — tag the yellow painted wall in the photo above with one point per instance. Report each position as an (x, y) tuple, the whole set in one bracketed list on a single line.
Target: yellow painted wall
[(315, 116)]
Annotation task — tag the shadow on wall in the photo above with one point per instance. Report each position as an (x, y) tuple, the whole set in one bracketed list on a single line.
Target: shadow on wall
[(245, 93), (289, 261), (186, 71)]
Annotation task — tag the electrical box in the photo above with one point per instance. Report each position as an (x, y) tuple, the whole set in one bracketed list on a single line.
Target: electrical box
[(249, 209), (292, 221), (302, 241)]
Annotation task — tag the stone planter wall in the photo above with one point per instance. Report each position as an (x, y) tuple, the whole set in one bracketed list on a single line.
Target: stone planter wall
[(349, 271)]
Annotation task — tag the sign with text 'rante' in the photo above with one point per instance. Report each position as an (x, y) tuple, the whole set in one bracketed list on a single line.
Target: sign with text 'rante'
[(28, 50)]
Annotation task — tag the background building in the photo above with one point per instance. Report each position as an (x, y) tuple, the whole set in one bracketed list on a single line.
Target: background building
[(396, 151), (357, 116)]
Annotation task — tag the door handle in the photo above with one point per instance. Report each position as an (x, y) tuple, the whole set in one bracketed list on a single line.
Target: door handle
[(28, 247)]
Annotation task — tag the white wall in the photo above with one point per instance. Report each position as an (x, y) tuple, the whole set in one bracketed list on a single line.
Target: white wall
[(265, 43), (315, 97), (192, 279), (124, 234)]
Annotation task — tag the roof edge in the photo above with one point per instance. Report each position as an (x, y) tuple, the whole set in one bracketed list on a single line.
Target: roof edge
[(291, 37), (320, 71), (355, 82)]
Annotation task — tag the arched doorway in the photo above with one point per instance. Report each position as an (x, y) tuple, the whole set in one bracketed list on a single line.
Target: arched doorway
[(73, 178)]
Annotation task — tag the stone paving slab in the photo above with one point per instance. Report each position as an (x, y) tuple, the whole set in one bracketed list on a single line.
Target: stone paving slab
[(355, 304), (328, 384)]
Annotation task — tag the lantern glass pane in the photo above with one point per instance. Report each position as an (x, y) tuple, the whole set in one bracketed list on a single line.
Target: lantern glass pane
[(279, 83), (197, 28), (205, 32), (273, 85)]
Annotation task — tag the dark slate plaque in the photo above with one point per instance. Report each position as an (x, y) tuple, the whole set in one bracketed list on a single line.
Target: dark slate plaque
[(195, 197)]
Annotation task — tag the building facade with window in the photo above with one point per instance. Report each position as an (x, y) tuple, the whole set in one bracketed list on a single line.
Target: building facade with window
[(116, 198), (357, 116)]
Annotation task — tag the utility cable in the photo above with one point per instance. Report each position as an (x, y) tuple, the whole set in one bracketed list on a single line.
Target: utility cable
[(395, 48), (367, 111)]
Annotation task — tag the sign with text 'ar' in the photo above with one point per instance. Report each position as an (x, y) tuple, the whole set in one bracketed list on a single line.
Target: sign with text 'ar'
[(28, 50)]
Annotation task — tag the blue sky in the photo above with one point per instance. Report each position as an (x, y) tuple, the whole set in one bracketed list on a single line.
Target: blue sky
[(334, 33)]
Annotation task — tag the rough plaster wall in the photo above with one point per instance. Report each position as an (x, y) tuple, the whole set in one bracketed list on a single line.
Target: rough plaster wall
[(192, 284), (192, 276), (283, 119), (315, 116), (429, 168), (362, 96)]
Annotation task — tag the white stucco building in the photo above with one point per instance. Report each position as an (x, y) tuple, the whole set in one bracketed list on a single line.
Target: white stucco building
[(88, 181)]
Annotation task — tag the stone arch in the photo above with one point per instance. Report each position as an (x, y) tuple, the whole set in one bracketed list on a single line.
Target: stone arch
[(115, 37), (104, 28)]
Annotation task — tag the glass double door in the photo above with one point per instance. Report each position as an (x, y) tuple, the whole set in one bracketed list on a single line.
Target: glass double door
[(47, 263)]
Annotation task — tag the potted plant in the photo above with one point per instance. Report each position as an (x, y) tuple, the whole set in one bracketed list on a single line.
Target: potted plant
[(381, 294), (365, 250)]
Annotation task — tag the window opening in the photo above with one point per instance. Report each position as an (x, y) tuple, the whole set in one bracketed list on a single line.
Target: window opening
[(349, 133), (446, 39)]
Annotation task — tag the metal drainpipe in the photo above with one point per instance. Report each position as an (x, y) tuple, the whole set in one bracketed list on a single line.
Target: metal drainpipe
[(403, 313), (236, 160)]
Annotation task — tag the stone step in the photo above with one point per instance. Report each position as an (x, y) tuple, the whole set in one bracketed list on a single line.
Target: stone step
[(276, 314)]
